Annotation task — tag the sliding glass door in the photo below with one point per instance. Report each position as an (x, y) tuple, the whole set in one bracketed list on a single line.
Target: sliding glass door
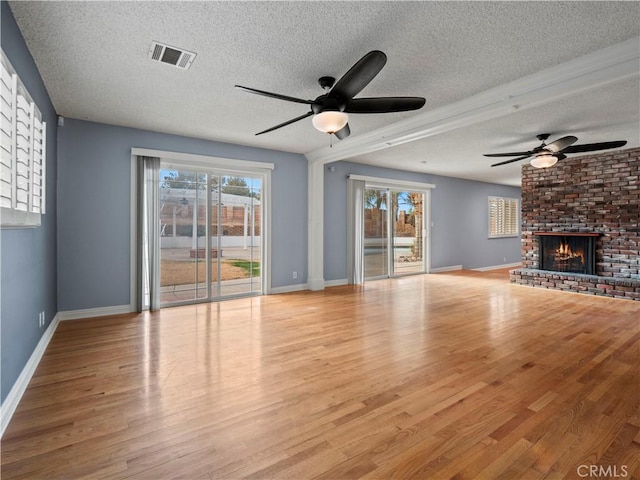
[(183, 265), (394, 233), (237, 230), (407, 234), (210, 235), (376, 233)]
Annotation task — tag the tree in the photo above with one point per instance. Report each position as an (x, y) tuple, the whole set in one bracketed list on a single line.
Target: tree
[(238, 186), (180, 180), (192, 181), (374, 198), (398, 199)]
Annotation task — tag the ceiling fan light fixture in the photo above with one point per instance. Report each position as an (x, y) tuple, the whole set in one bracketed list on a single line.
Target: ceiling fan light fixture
[(330, 121), (544, 161)]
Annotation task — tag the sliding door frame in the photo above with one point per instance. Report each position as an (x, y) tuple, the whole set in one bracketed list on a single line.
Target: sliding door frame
[(217, 166), (402, 185)]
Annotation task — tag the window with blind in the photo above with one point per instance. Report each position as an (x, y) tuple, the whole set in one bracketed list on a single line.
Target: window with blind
[(22, 153), (503, 217)]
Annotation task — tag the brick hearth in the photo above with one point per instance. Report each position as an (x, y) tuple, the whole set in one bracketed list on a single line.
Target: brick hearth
[(598, 193)]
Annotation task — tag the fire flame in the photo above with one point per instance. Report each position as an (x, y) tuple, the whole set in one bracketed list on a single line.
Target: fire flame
[(564, 252)]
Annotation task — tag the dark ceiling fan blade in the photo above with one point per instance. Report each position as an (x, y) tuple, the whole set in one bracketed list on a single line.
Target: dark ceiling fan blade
[(274, 95), (384, 104), (560, 156), (512, 154), (343, 133), (560, 144), (288, 122), (359, 76), (592, 147), (511, 161)]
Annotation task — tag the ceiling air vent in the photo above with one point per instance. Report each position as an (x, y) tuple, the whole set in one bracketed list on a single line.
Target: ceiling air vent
[(171, 55)]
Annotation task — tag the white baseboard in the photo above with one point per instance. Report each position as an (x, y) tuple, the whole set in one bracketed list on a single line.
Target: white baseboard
[(303, 286), (497, 267), (22, 382), (289, 288), (446, 269), (94, 312)]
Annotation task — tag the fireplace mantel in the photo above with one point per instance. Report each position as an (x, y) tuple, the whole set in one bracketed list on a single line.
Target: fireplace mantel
[(568, 234)]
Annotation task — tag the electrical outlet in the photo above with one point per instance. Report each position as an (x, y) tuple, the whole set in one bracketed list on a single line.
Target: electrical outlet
[(295, 274), (41, 319), (504, 259)]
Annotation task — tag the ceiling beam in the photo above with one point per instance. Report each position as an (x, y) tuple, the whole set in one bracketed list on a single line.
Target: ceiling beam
[(609, 65)]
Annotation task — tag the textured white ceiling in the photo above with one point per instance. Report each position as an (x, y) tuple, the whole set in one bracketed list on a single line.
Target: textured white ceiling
[(458, 152), (93, 58)]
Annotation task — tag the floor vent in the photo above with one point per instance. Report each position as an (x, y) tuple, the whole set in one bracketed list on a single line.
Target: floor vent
[(171, 55)]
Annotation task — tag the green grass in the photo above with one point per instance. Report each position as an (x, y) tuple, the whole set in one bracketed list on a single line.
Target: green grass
[(252, 268)]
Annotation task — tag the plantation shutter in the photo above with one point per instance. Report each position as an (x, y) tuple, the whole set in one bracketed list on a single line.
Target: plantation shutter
[(503, 217), (22, 152), (8, 89), (38, 167)]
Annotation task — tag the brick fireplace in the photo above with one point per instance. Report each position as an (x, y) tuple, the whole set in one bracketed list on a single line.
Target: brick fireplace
[(595, 196)]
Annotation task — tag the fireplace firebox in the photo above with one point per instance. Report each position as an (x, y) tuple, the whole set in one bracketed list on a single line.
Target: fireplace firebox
[(567, 252)]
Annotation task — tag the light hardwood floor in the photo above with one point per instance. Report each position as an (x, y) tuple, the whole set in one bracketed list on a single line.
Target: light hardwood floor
[(456, 375)]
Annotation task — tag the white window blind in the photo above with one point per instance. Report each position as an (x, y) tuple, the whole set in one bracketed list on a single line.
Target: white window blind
[(503, 217), (22, 152)]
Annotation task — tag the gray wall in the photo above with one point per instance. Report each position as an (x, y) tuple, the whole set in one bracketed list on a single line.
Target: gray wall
[(458, 212), (94, 171), (28, 265)]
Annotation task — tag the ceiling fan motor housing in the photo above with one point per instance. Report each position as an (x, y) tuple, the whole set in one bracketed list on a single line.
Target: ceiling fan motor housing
[(325, 103), (326, 82)]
